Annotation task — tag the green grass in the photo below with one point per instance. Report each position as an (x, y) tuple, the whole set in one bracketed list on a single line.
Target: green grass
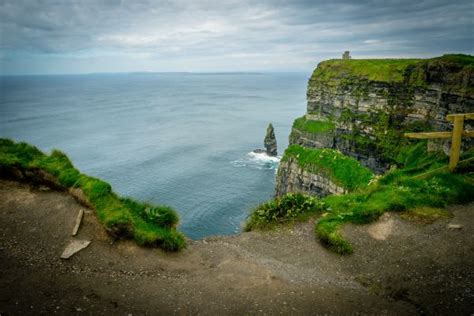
[(385, 70), (425, 214), (147, 224), (467, 60), (388, 70), (342, 170), (420, 189), (290, 207), (312, 126)]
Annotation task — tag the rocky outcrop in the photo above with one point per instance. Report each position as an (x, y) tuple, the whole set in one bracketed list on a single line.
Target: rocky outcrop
[(293, 178), (270, 141), (371, 103)]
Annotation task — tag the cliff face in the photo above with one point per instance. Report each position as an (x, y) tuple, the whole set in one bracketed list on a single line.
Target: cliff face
[(293, 178), (362, 107)]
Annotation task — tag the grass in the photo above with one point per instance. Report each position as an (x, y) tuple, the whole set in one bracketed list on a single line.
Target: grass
[(419, 190), (147, 224), (312, 126), (425, 214), (288, 208), (342, 170), (384, 70), (412, 71)]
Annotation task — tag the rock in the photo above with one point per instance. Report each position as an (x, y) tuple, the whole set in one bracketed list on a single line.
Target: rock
[(73, 247), (454, 226), (270, 142), (78, 222), (260, 151), (292, 178)]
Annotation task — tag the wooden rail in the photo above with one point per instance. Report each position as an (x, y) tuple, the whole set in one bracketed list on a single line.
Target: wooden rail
[(456, 136)]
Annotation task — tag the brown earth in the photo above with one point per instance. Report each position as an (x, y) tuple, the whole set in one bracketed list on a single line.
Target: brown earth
[(398, 267)]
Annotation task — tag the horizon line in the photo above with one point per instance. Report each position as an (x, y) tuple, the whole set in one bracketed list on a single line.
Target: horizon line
[(258, 72)]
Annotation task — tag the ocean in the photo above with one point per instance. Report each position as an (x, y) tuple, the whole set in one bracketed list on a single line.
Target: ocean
[(180, 139)]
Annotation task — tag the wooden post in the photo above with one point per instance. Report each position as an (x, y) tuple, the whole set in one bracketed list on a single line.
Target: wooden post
[(456, 142), (455, 135)]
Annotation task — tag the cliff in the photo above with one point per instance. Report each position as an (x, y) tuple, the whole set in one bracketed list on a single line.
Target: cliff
[(148, 225), (361, 108)]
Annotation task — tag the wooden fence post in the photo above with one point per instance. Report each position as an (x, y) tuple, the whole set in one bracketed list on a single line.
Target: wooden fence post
[(456, 142), (456, 136)]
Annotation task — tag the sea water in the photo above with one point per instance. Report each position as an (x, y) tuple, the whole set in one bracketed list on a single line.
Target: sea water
[(179, 139)]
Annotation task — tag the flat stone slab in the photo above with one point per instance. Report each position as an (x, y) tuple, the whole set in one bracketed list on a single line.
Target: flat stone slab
[(454, 226), (78, 222), (73, 247)]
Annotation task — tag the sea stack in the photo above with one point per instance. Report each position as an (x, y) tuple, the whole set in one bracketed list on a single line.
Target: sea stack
[(270, 142)]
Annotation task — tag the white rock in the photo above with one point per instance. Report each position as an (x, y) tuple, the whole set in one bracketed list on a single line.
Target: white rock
[(73, 247), (454, 226)]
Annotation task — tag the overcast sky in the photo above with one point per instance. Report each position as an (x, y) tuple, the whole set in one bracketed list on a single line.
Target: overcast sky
[(61, 36)]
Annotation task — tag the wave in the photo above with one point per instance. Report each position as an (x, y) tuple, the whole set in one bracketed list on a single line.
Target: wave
[(257, 161)]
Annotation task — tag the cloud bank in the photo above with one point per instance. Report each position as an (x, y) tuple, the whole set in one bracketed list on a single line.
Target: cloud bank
[(116, 35)]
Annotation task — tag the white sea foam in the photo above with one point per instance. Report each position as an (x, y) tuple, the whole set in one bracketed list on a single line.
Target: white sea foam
[(257, 161)]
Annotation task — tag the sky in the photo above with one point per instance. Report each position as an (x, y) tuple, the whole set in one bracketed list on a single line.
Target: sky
[(88, 36)]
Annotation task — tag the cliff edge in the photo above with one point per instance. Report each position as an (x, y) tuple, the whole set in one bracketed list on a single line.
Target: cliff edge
[(361, 108)]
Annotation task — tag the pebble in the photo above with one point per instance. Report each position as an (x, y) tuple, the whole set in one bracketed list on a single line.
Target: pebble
[(455, 226)]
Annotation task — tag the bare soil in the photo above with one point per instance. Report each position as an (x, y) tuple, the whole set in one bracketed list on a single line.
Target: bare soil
[(398, 268)]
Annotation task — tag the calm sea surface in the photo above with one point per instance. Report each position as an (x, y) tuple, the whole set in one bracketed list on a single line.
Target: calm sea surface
[(178, 139)]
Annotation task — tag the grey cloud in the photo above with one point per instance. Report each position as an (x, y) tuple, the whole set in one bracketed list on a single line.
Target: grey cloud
[(292, 34)]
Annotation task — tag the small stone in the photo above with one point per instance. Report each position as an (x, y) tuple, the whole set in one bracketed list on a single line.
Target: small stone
[(455, 226), (73, 247), (44, 188)]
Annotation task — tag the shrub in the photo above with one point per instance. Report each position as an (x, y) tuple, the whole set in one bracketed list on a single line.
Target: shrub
[(162, 216), (287, 208)]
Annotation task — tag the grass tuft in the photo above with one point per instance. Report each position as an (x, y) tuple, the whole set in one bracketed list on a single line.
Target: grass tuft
[(290, 207)]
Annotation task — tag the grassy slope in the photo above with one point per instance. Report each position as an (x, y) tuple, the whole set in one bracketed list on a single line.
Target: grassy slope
[(342, 170), (312, 126), (148, 224), (420, 190), (386, 70)]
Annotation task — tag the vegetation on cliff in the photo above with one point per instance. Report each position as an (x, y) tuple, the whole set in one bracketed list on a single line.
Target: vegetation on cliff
[(419, 189), (342, 170), (313, 126), (380, 99), (290, 207), (414, 72), (372, 103), (148, 224)]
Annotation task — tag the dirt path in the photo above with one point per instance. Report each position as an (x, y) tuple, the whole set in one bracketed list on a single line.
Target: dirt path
[(398, 267)]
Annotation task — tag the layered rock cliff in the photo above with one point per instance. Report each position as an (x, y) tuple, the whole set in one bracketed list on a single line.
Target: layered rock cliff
[(361, 108)]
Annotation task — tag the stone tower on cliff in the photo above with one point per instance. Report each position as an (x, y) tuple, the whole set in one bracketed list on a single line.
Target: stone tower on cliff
[(346, 55)]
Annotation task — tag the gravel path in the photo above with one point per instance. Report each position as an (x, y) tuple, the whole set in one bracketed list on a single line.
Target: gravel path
[(398, 268)]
